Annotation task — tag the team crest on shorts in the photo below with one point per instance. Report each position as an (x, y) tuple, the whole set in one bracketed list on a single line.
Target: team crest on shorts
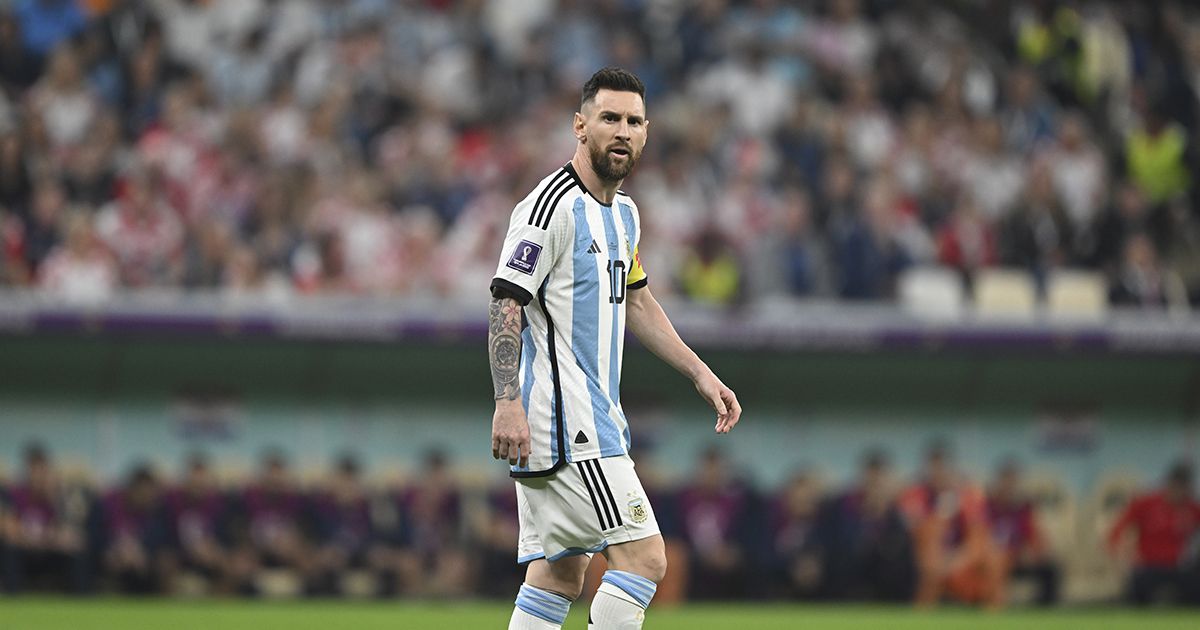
[(637, 508)]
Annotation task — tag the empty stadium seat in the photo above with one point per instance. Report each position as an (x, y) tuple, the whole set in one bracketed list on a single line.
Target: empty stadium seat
[(1004, 293), (932, 293), (1076, 295)]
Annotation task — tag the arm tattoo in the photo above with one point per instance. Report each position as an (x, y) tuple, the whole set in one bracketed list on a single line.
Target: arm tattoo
[(504, 347)]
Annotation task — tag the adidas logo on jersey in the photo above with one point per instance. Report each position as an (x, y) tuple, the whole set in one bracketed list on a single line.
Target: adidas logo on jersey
[(594, 249), (580, 438)]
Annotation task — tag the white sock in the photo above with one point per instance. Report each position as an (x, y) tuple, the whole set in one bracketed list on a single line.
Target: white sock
[(537, 609), (621, 601)]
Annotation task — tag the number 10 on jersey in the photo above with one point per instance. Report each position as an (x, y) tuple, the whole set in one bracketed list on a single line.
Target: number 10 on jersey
[(616, 279)]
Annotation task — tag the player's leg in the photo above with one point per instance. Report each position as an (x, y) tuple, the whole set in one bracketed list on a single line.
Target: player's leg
[(637, 559), (547, 593), (634, 570), (549, 588)]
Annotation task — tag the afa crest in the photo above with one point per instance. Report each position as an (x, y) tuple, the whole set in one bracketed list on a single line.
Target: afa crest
[(637, 509)]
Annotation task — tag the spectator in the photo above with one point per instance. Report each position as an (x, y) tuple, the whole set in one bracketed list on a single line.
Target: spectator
[(44, 530), (1165, 523), (64, 101), (1077, 170), (1038, 235), (43, 230), (133, 533), (16, 181), (1182, 250), (1157, 159), (142, 232), (947, 515), (801, 257), (1130, 214), (867, 552), (869, 249), (967, 240), (1142, 281), (713, 273), (1027, 115), (991, 175), (716, 513), (1014, 529), (81, 271)]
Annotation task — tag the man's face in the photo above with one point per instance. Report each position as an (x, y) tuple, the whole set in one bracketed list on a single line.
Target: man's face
[(613, 126)]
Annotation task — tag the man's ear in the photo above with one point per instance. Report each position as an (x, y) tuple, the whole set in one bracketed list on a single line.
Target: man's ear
[(580, 126)]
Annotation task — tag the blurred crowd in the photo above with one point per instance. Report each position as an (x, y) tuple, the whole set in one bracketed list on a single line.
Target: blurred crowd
[(806, 148), (939, 537)]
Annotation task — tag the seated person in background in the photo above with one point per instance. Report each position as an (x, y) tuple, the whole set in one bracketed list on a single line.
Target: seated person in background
[(196, 530), (866, 548), (133, 532), (342, 520), (273, 552), (715, 513), (43, 530), (1014, 529), (433, 514), (947, 515), (1167, 523), (795, 561), (496, 532)]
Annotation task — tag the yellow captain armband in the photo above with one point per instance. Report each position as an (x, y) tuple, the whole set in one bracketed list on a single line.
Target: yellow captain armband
[(637, 275)]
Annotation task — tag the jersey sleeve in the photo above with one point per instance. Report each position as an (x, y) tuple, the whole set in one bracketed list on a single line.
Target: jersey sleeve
[(637, 275), (529, 253)]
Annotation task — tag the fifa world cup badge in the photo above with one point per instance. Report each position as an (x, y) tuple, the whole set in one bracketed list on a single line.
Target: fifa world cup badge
[(637, 508)]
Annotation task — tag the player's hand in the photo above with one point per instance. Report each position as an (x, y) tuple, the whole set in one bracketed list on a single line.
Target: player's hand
[(721, 399), (510, 433)]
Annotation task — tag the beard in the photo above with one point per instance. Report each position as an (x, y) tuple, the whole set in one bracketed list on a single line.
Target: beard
[(608, 169)]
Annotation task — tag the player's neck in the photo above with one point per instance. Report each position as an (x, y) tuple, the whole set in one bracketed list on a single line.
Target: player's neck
[(603, 191)]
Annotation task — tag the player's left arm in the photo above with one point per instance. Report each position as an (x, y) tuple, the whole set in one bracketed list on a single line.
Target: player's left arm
[(646, 318)]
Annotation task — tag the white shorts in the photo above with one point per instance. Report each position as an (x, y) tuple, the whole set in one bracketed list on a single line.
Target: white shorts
[(581, 509)]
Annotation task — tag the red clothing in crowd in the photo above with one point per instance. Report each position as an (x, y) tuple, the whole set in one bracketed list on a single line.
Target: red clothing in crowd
[(1163, 528)]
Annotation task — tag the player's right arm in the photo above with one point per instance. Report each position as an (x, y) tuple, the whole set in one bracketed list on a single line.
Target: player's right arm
[(510, 428), (535, 238)]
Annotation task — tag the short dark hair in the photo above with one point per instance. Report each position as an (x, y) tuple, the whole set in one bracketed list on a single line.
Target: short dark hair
[(611, 78)]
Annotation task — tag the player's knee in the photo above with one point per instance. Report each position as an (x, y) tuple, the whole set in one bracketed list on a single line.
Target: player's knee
[(654, 566), (564, 577), (568, 587)]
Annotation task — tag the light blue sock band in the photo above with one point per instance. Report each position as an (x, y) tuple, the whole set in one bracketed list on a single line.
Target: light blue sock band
[(638, 587), (543, 604)]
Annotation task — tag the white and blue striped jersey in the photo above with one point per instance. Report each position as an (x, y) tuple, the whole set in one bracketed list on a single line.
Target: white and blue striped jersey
[(570, 260)]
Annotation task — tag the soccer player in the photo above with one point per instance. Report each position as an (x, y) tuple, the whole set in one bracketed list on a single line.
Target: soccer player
[(568, 280)]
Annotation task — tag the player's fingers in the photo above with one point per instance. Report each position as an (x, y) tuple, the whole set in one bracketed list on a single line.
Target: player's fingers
[(502, 450), (718, 404), (514, 454), (523, 447), (735, 409), (495, 448)]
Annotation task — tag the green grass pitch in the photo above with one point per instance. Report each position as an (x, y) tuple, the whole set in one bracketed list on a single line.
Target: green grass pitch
[(125, 614)]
